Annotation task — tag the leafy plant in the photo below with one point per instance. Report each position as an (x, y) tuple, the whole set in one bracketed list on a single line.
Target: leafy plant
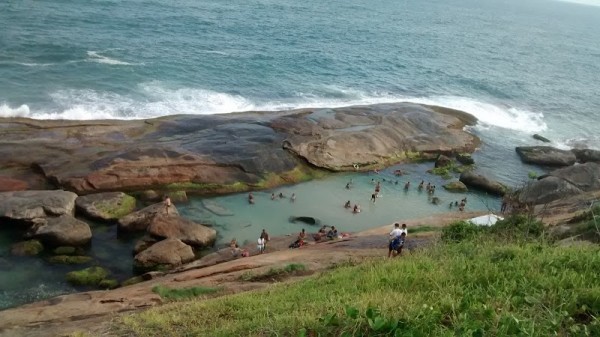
[(182, 293)]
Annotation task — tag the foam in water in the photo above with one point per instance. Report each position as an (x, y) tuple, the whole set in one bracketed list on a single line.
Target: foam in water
[(583, 2), (160, 100), (94, 56)]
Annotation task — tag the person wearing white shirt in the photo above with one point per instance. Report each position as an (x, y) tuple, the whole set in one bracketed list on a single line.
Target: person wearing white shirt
[(261, 245), (394, 237)]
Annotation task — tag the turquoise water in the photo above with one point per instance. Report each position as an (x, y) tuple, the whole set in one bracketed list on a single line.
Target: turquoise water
[(520, 66)]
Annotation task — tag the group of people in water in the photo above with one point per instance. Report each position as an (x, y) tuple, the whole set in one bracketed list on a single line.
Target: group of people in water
[(273, 197)]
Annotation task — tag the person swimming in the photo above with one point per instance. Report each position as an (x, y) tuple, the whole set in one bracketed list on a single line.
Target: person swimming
[(281, 196), (250, 198), (348, 186)]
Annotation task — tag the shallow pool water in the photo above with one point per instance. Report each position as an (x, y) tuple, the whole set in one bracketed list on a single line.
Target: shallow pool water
[(27, 279)]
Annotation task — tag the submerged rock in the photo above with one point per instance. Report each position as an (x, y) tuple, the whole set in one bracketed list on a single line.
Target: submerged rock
[(31, 205), (109, 206), (141, 219), (26, 248), (64, 230), (443, 161), (168, 253), (545, 155), (465, 159), (216, 208), (185, 230), (541, 138), (308, 220), (69, 259), (456, 186), (68, 250)]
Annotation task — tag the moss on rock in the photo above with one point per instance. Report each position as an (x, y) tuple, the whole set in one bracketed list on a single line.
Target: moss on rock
[(91, 276), (133, 280), (117, 210), (69, 259), (66, 250), (108, 284), (456, 186), (27, 248)]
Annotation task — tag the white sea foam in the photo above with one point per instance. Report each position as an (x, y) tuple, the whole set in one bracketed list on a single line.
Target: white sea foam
[(584, 2), (94, 56), (160, 100)]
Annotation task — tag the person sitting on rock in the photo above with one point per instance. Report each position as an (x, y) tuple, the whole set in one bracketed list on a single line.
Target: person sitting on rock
[(347, 204)]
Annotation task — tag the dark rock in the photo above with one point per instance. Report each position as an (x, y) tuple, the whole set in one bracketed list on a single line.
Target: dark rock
[(168, 253), (141, 219), (480, 182), (545, 155), (31, 205), (26, 248), (562, 183), (109, 206), (143, 243), (587, 155), (456, 186), (442, 161), (178, 196), (67, 250), (308, 220), (541, 138), (64, 230), (185, 230), (465, 159)]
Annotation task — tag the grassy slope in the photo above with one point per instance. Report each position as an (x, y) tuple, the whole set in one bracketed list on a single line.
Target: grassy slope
[(479, 287)]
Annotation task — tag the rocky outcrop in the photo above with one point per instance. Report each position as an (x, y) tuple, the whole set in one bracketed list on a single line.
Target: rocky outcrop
[(541, 138), (11, 184), (109, 206), (168, 253), (562, 183), (545, 155), (480, 182), (30, 205), (64, 230), (227, 152), (185, 230), (586, 155), (140, 220)]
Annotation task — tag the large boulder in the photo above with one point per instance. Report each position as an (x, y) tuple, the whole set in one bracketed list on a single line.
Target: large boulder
[(109, 206), (545, 155), (180, 228), (586, 155), (562, 183), (480, 182), (140, 220), (64, 230), (30, 205), (168, 253)]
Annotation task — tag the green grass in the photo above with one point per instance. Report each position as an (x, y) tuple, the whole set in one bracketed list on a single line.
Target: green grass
[(424, 229), (182, 293), (275, 274), (478, 287)]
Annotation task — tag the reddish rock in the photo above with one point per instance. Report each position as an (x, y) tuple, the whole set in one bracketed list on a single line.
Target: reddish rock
[(10, 184)]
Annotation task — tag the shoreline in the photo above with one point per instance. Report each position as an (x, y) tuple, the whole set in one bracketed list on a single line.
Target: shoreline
[(68, 313)]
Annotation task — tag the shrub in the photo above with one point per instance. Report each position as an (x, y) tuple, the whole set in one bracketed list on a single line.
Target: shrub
[(519, 226), (460, 231), (182, 293)]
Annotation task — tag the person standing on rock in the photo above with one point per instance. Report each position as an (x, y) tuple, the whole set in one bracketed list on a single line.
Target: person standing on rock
[(167, 204)]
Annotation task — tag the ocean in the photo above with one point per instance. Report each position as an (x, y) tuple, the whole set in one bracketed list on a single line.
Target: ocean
[(520, 66)]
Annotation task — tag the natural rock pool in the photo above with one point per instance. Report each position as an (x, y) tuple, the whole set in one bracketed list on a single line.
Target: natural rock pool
[(27, 279)]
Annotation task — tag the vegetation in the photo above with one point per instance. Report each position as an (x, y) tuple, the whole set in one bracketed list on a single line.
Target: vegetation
[(27, 248), (91, 276), (504, 280), (585, 227), (69, 259), (182, 293), (276, 274)]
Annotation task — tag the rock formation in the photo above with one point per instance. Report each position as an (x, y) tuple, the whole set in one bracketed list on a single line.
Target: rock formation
[(545, 155)]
